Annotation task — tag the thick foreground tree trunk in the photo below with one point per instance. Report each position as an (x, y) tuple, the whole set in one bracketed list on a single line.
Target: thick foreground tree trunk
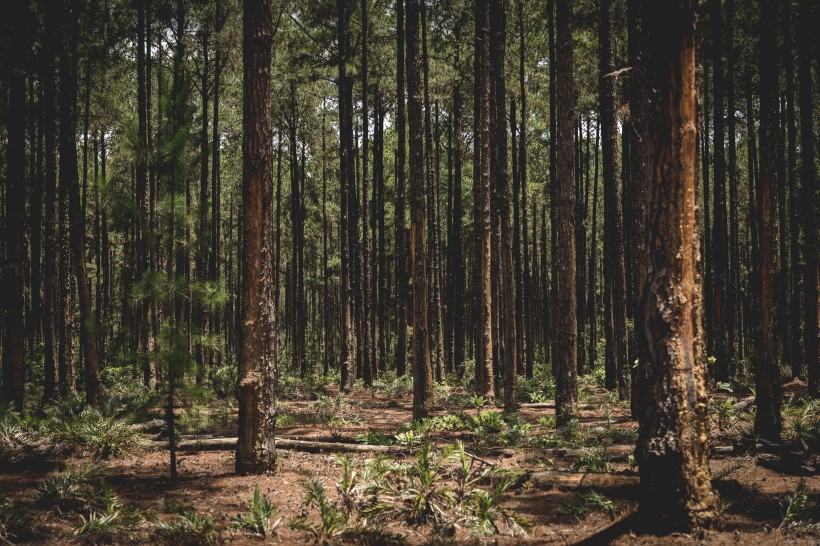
[(255, 451), (672, 452)]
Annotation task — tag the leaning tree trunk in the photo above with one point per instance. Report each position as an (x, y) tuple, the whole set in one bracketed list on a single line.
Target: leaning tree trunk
[(255, 452), (675, 491)]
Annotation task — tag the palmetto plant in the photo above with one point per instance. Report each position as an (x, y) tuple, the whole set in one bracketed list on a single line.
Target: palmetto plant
[(260, 517)]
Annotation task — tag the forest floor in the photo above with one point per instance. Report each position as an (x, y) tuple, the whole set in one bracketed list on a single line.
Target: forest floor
[(572, 486)]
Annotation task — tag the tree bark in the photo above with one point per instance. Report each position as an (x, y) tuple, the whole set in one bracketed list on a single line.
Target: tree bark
[(401, 243), (347, 185), (422, 369), (809, 207), (767, 372), (69, 176), (50, 280), (485, 381), (564, 305), (614, 269), (255, 451), (675, 490), (14, 275)]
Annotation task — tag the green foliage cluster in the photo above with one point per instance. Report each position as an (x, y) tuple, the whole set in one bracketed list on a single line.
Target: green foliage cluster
[(800, 514), (260, 515), (186, 528), (440, 488), (590, 501)]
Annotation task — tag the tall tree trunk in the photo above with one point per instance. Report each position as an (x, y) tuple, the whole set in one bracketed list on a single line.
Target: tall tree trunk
[(672, 446), (50, 280), (507, 287), (401, 242), (422, 368), (200, 317), (14, 275), (793, 282), (455, 244), (809, 207), (255, 451), (720, 247), (347, 186), (141, 226), (768, 422), (216, 202), (529, 307), (594, 302), (69, 176), (485, 381), (614, 270), (326, 310), (367, 348), (565, 324), (433, 228), (733, 288)]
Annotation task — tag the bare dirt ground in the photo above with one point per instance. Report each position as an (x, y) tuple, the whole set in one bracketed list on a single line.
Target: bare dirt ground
[(751, 486)]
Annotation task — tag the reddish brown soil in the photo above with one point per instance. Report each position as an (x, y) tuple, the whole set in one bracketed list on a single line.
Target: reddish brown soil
[(750, 495)]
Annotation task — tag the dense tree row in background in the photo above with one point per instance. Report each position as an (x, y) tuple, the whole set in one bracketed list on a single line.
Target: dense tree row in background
[(384, 225)]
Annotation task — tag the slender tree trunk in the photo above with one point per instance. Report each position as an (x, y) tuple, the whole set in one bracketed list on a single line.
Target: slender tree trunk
[(422, 368), (69, 177), (433, 229), (767, 372), (216, 202), (401, 243), (485, 380), (200, 317), (565, 337), (13, 275), (614, 269), (794, 281), (50, 280), (528, 345), (455, 244), (720, 247), (258, 367), (367, 296), (593, 303), (347, 186), (809, 207), (672, 446), (733, 292)]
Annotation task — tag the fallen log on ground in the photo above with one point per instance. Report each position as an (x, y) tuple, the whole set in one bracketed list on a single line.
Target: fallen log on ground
[(204, 444), (574, 480), (550, 404), (152, 426)]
